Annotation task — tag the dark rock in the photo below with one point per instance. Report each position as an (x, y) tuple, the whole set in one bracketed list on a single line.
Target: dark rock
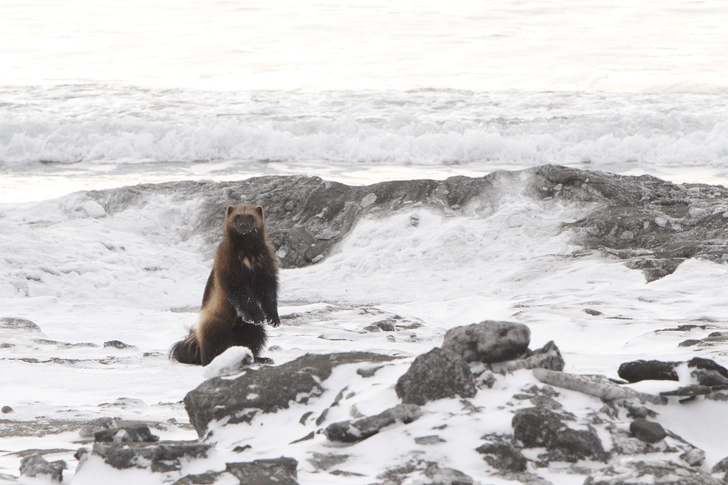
[(131, 434), (7, 409), (630, 472), (435, 375), (573, 445), (429, 440), (503, 457), (688, 391), (707, 372), (118, 344), (647, 431), (447, 476), (209, 478), (387, 325), (278, 471), (90, 429), (721, 466), (305, 417), (536, 427), (641, 370), (162, 457), (354, 431), (368, 371), (322, 417), (33, 465), (240, 449), (323, 462), (547, 357), (488, 341), (651, 224), (267, 389), (309, 436)]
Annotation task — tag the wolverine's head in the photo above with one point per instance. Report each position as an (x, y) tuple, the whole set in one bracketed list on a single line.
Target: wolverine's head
[(244, 218)]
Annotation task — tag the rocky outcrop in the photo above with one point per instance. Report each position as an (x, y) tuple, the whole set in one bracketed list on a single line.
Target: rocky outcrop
[(651, 224), (265, 390), (653, 472)]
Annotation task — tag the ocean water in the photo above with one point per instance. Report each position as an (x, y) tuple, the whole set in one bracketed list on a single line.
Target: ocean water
[(100, 94)]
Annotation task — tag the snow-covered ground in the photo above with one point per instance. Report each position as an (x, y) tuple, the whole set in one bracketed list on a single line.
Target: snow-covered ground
[(86, 278)]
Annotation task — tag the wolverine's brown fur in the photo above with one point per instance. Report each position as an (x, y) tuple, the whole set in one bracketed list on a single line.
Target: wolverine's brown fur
[(241, 292)]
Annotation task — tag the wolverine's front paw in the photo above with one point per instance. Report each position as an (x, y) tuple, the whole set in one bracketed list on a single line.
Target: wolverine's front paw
[(264, 360), (276, 322)]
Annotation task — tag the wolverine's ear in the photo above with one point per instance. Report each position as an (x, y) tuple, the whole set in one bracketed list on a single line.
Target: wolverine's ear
[(259, 210), (229, 211)]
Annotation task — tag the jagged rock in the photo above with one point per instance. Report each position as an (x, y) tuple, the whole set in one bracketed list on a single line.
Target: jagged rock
[(647, 431), (537, 427), (429, 440), (90, 429), (435, 375), (353, 431), (33, 465), (666, 223), (162, 457), (573, 445), (130, 434), (447, 476), (503, 456), (278, 471), (693, 457), (488, 341), (436, 475), (547, 357), (118, 344), (323, 462), (721, 466), (654, 472), (368, 371), (594, 386), (267, 389)]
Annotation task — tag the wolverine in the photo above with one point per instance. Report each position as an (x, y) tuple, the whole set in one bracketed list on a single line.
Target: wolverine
[(241, 294)]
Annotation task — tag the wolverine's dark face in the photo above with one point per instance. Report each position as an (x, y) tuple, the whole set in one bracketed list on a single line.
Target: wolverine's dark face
[(244, 218)]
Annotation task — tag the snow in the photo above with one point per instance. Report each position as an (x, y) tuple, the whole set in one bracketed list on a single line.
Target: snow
[(122, 277), (102, 94)]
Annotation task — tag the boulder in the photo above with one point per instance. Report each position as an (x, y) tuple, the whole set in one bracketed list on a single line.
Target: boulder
[(267, 389), (542, 428), (34, 465), (503, 456), (488, 341), (354, 431), (436, 375), (647, 431)]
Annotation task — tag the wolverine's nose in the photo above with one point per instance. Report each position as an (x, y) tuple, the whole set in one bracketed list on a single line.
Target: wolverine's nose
[(244, 223)]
